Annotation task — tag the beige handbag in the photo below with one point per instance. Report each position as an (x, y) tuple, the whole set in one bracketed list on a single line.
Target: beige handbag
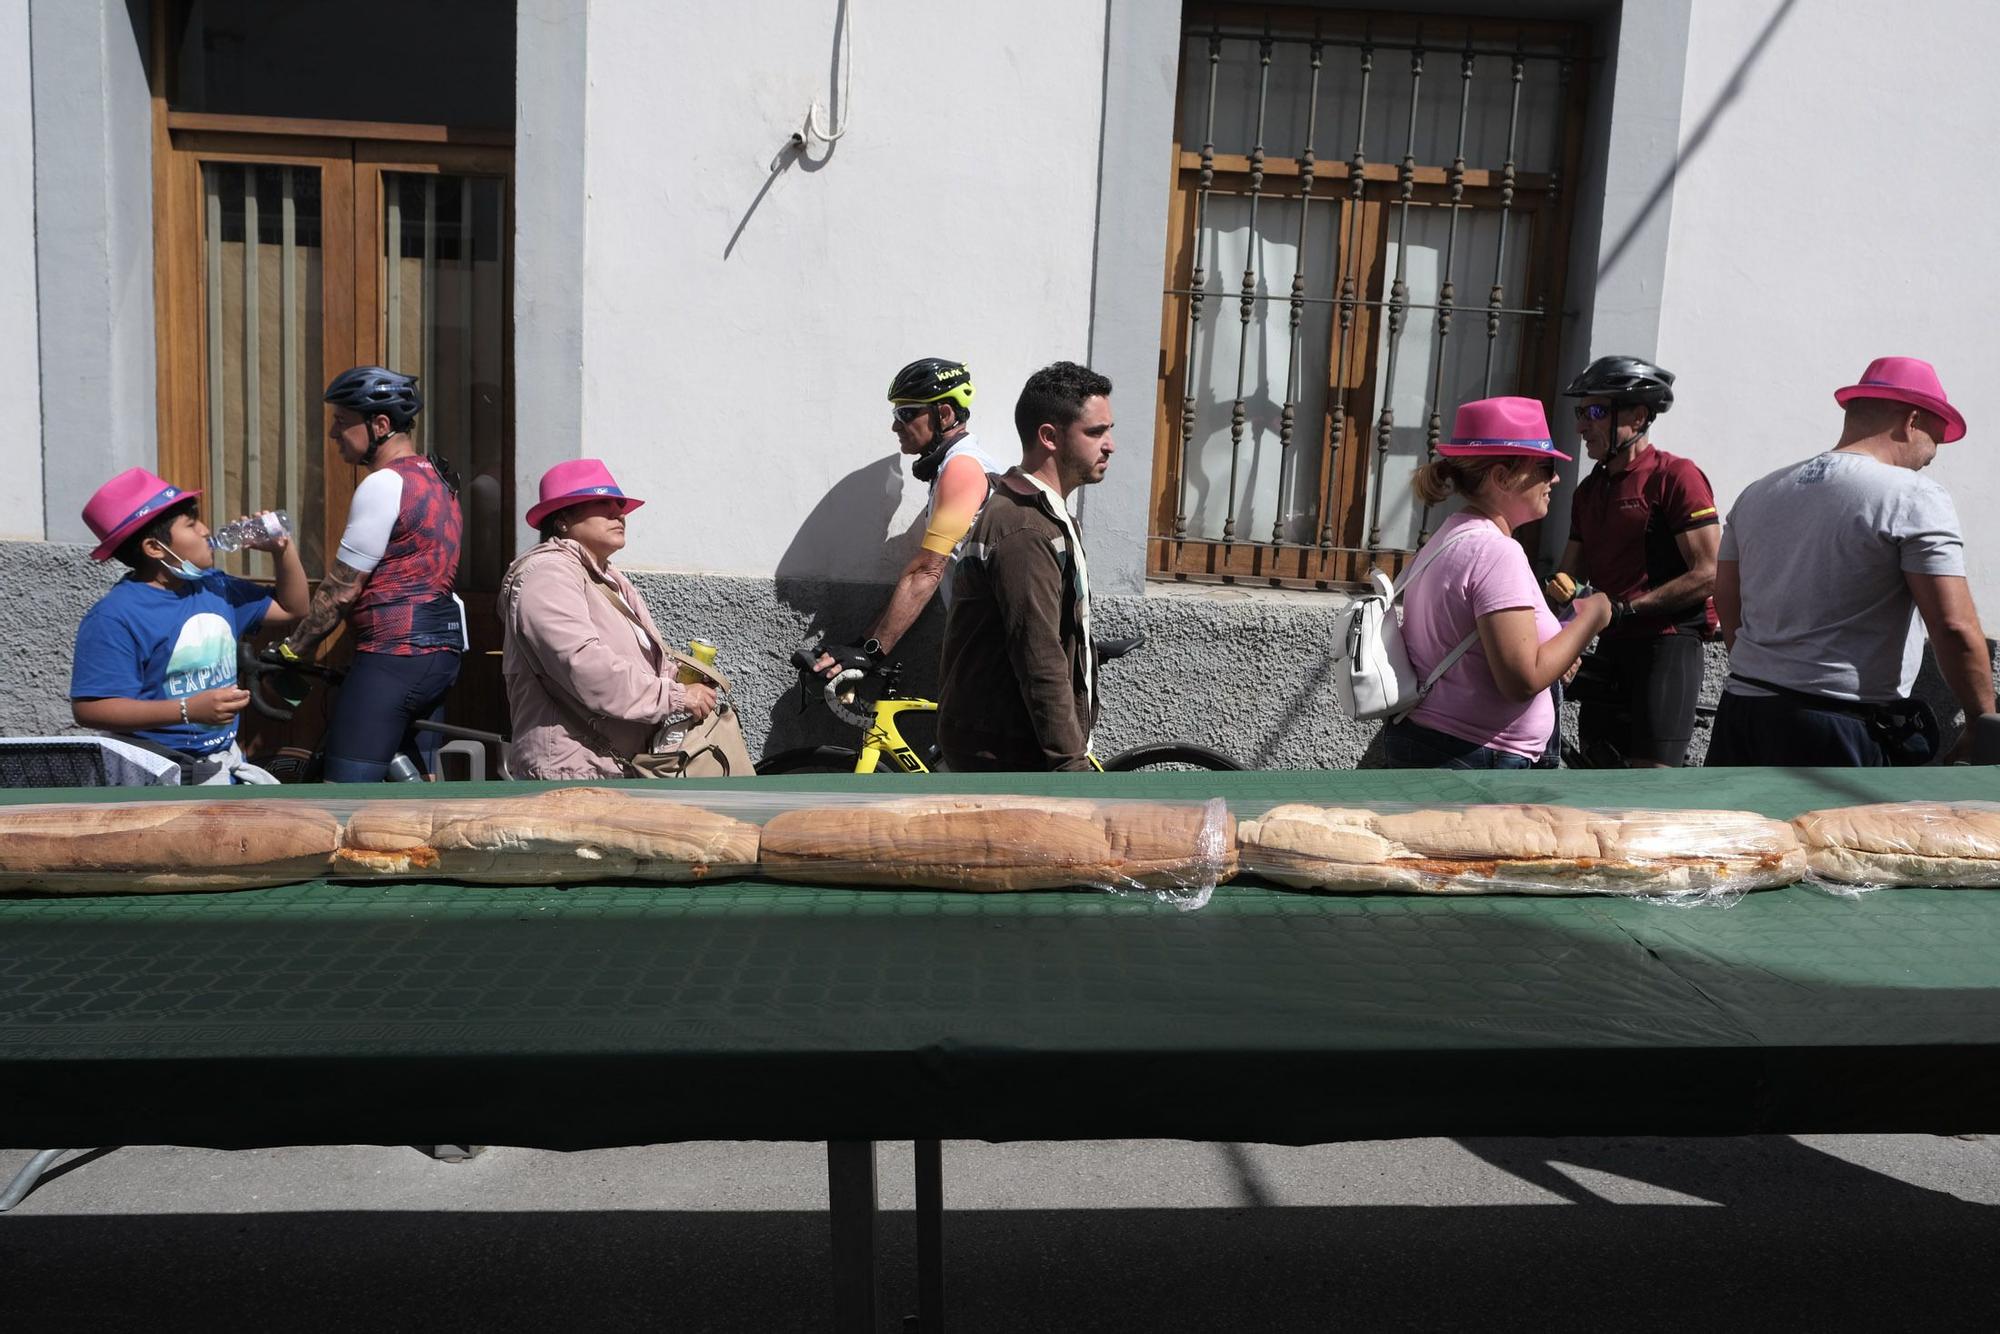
[(711, 748)]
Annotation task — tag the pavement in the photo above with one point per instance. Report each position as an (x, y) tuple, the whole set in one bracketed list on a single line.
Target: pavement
[(1767, 1233)]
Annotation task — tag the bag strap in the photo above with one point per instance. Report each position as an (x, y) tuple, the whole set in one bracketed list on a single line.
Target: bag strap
[(1408, 577), (583, 721), (1464, 646), (708, 670), (1423, 561)]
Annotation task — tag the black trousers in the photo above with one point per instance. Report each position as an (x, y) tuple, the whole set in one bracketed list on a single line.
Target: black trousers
[(1782, 730)]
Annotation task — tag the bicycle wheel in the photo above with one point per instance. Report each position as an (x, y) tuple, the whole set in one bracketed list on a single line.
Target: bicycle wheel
[(810, 760), (1170, 755)]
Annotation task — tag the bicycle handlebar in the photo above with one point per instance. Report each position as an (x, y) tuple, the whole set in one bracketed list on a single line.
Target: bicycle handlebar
[(253, 670)]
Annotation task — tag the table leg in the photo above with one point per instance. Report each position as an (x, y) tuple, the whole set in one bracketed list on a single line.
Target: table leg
[(930, 1236), (851, 1201), (25, 1179)]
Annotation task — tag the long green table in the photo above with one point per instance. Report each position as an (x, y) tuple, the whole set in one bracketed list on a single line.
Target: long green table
[(624, 1014)]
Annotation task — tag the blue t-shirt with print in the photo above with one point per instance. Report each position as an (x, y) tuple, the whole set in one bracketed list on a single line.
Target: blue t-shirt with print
[(142, 641)]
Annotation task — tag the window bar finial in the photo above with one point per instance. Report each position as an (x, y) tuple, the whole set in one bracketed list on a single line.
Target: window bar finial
[(1197, 284), (1357, 180), (1294, 381), (1399, 300), (1247, 303), (1496, 297), (1447, 295)]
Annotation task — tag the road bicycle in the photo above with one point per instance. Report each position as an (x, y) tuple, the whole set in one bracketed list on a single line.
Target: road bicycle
[(278, 698), (864, 695)]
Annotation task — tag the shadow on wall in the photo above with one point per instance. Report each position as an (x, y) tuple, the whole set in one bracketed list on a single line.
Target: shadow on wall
[(836, 574), (822, 126), (1739, 79)]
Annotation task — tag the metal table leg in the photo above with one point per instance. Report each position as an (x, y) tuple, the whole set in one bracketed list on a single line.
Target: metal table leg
[(930, 1236), (25, 1179), (851, 1201)]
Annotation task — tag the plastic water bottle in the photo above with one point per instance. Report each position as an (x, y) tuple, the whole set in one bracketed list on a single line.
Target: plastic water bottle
[(676, 723), (240, 533)]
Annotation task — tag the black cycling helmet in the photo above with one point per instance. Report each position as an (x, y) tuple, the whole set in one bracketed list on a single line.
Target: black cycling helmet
[(1625, 380), (372, 389), (934, 380)]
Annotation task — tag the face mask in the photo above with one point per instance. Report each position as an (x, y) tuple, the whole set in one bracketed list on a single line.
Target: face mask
[(183, 569)]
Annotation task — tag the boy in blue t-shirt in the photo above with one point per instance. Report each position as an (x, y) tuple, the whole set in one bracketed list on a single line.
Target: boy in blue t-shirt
[(156, 657)]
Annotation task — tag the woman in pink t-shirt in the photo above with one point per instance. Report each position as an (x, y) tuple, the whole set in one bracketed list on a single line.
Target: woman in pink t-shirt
[(1491, 709)]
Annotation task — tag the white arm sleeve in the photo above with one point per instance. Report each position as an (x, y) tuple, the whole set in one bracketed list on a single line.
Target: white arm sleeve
[(370, 518)]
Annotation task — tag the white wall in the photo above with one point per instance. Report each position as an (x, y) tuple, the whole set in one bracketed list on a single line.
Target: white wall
[(1838, 210), (21, 444), (737, 388)]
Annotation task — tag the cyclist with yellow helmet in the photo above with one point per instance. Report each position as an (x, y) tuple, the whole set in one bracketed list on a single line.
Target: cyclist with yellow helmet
[(930, 405)]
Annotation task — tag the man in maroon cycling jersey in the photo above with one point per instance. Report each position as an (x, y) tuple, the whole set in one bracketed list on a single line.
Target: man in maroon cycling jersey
[(392, 580), (1644, 531)]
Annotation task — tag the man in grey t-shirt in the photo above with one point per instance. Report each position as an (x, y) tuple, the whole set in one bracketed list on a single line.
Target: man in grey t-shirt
[(1824, 570)]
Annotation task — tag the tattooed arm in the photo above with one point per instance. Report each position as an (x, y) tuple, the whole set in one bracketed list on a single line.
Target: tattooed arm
[(330, 601)]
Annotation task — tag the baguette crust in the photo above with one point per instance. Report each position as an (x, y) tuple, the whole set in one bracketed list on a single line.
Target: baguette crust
[(164, 846), (1000, 844), (563, 835), (1925, 828), (1905, 843), (1520, 849)]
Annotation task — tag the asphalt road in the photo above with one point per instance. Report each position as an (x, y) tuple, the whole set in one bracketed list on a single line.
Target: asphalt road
[(1834, 1232)]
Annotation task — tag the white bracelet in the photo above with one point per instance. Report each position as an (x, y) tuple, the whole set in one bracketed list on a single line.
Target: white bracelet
[(184, 711)]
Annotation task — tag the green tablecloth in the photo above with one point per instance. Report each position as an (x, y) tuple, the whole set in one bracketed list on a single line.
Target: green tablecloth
[(628, 1014)]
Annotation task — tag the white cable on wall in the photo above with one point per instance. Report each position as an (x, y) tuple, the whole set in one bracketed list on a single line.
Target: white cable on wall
[(814, 128)]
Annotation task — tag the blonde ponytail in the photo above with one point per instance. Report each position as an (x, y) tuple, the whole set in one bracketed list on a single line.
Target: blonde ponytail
[(1437, 481)]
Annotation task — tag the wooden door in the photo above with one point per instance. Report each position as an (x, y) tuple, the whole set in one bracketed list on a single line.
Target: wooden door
[(285, 256)]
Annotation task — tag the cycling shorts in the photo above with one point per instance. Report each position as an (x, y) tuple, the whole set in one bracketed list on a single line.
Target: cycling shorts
[(1646, 711)]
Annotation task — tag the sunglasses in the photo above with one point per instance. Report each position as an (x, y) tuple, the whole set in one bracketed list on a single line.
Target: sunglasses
[(909, 412), (1596, 412)]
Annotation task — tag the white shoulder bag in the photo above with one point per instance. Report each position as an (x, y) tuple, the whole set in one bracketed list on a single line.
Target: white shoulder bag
[(1372, 675)]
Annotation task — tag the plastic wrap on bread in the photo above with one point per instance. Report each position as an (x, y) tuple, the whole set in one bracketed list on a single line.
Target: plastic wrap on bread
[(1680, 856), (999, 843), (561, 836), (164, 847), (1903, 844), (1176, 851)]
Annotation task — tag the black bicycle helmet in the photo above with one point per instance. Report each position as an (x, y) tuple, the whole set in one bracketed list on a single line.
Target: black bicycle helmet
[(1625, 380), (934, 380), (372, 389)]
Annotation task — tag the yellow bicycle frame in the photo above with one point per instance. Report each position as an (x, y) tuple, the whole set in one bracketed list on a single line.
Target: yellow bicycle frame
[(884, 743), (884, 740)]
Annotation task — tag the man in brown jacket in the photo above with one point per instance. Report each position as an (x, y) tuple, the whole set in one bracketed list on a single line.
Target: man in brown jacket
[(1019, 690)]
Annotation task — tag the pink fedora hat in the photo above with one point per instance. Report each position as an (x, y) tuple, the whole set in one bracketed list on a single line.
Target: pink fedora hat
[(124, 504), (574, 482), (1906, 380), (1501, 426)]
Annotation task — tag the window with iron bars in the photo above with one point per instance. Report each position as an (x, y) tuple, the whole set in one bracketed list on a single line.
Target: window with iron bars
[(1369, 225)]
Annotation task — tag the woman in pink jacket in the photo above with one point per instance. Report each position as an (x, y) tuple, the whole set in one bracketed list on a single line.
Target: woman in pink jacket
[(589, 679)]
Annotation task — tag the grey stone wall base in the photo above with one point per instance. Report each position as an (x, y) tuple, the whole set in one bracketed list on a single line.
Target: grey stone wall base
[(1244, 675), (45, 588), (1249, 679)]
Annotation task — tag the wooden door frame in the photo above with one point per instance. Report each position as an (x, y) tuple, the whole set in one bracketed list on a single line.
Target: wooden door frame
[(350, 156)]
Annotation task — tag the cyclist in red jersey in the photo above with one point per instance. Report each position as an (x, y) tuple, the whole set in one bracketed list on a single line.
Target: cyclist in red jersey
[(1644, 531), (392, 581)]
